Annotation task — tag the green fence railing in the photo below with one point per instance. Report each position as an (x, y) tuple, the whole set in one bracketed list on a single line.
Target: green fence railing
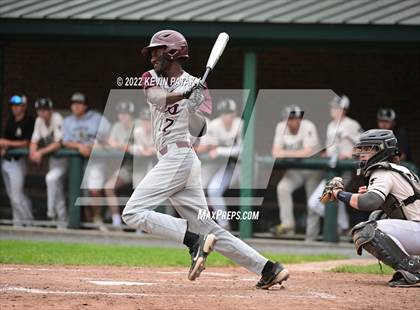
[(75, 176), (321, 163)]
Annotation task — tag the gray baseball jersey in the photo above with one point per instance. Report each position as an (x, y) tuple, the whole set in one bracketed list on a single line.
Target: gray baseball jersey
[(170, 122)]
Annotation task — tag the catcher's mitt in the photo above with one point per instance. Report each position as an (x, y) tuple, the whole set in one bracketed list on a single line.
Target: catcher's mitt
[(333, 184)]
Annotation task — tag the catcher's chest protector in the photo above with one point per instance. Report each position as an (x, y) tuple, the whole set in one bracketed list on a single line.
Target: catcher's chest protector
[(392, 207)]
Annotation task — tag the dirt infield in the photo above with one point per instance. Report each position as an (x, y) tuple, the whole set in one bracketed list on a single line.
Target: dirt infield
[(74, 287)]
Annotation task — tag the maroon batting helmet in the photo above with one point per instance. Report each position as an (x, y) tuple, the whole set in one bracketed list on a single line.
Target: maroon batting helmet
[(174, 43)]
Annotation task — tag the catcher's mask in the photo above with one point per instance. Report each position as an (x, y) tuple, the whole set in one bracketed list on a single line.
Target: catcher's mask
[(375, 145)]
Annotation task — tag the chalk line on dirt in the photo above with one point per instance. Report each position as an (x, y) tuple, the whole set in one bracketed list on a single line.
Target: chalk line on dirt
[(17, 289)]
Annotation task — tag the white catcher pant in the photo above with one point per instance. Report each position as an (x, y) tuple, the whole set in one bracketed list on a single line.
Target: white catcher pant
[(177, 177), (406, 234), (13, 172), (56, 203)]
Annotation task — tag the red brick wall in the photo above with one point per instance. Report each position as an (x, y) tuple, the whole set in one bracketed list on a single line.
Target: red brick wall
[(371, 77)]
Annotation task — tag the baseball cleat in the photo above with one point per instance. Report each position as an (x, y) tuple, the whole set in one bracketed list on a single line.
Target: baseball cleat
[(277, 276), (280, 230), (402, 278), (201, 250)]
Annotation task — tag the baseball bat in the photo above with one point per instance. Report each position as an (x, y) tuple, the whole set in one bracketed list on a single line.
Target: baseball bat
[(216, 52)]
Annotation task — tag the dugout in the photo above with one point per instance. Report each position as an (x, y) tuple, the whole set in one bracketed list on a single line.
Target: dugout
[(368, 50)]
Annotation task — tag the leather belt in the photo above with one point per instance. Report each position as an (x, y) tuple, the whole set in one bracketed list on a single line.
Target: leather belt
[(179, 144)]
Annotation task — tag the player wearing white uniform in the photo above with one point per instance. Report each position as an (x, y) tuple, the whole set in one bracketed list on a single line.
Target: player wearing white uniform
[(295, 137), (392, 233), (46, 139), (342, 134), (177, 175), (121, 138), (143, 149), (17, 133), (223, 139)]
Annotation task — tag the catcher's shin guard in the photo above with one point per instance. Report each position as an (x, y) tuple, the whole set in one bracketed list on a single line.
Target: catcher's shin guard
[(366, 235)]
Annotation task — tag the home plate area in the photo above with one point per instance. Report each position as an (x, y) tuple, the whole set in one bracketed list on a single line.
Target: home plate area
[(75, 287)]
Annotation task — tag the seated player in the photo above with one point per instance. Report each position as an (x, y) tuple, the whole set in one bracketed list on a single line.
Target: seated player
[(17, 134), (82, 130), (223, 139), (46, 139), (387, 119), (295, 137), (121, 137), (342, 133)]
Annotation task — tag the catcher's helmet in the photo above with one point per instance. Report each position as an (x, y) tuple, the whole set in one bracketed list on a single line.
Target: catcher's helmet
[(175, 44), (125, 107), (386, 114), (43, 103), (380, 140)]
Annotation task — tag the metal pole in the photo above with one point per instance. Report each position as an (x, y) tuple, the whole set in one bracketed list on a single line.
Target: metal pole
[(75, 179), (247, 164)]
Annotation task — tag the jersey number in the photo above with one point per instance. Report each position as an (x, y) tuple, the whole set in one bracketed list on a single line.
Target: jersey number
[(168, 123)]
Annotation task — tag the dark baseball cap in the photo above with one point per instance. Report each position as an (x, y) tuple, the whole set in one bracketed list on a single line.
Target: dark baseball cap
[(43, 103), (386, 114), (293, 111), (78, 97)]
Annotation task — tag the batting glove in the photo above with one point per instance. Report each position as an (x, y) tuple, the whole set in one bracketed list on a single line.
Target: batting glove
[(195, 97)]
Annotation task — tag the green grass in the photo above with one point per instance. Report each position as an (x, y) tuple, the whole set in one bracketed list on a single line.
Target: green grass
[(58, 253), (368, 269)]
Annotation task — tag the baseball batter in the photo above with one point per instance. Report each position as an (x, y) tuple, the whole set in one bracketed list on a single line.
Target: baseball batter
[(392, 234), (175, 98)]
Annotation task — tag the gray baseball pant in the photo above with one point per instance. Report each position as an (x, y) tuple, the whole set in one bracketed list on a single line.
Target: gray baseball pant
[(177, 177), (13, 172)]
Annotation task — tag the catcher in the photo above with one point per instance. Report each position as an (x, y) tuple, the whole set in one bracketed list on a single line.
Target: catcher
[(392, 233)]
